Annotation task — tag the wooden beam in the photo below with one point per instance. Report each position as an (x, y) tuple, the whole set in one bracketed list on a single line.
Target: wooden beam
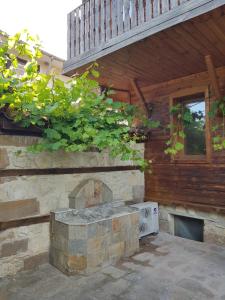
[(139, 95), (63, 171), (212, 76), (24, 222)]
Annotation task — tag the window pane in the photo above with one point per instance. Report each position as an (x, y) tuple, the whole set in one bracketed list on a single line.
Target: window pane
[(195, 131)]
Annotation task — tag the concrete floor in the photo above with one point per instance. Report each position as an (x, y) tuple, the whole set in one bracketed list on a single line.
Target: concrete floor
[(167, 268)]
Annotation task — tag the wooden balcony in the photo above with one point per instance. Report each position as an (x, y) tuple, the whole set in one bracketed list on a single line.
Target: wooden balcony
[(99, 27)]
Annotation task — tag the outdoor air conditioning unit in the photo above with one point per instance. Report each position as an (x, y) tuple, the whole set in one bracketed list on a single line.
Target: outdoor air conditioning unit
[(149, 218)]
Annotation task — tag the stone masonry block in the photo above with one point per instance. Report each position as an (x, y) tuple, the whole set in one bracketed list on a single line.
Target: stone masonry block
[(94, 261), (76, 247), (36, 260), (78, 232), (163, 213), (116, 237), (77, 262), (97, 259), (164, 226), (8, 179), (214, 233), (116, 250), (116, 225), (12, 248), (92, 230), (105, 227), (4, 160), (18, 209), (60, 230), (60, 242), (94, 244), (134, 219), (57, 258), (138, 192), (131, 247)]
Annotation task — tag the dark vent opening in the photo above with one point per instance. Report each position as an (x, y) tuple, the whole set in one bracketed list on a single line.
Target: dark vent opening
[(189, 228)]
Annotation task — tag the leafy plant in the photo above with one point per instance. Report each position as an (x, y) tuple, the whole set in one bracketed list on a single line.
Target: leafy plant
[(185, 123), (73, 116), (217, 114)]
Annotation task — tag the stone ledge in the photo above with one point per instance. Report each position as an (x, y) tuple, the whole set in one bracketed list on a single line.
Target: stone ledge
[(19, 158)]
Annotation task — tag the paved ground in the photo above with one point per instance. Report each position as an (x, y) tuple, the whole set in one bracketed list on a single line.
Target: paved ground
[(167, 268)]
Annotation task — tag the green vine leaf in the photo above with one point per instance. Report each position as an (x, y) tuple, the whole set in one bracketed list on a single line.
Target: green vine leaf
[(217, 115), (73, 116)]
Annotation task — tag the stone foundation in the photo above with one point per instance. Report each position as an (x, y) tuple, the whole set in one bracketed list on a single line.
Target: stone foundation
[(214, 224)]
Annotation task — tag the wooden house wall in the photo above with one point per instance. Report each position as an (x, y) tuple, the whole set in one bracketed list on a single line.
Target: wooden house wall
[(198, 184)]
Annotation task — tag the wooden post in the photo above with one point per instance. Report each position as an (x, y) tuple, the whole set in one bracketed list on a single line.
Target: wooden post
[(72, 34), (82, 37), (139, 95), (114, 18), (77, 31), (217, 95), (212, 76), (69, 36), (97, 24)]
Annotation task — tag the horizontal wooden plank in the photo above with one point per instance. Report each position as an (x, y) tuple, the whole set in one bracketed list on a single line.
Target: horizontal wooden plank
[(189, 192), (58, 171), (24, 222), (185, 197), (193, 181), (198, 206)]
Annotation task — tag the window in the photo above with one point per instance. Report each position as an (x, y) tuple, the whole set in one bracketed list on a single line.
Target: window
[(193, 105), (195, 140)]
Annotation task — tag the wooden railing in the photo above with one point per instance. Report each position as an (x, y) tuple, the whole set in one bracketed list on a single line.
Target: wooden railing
[(96, 22)]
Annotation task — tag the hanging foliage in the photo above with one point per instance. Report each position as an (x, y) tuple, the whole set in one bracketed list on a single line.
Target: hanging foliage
[(185, 122), (217, 114), (73, 116)]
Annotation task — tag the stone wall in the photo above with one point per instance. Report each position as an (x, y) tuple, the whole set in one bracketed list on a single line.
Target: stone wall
[(214, 223), (33, 195)]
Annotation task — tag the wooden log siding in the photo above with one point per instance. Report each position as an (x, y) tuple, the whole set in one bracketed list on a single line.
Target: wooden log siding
[(96, 22), (196, 184)]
